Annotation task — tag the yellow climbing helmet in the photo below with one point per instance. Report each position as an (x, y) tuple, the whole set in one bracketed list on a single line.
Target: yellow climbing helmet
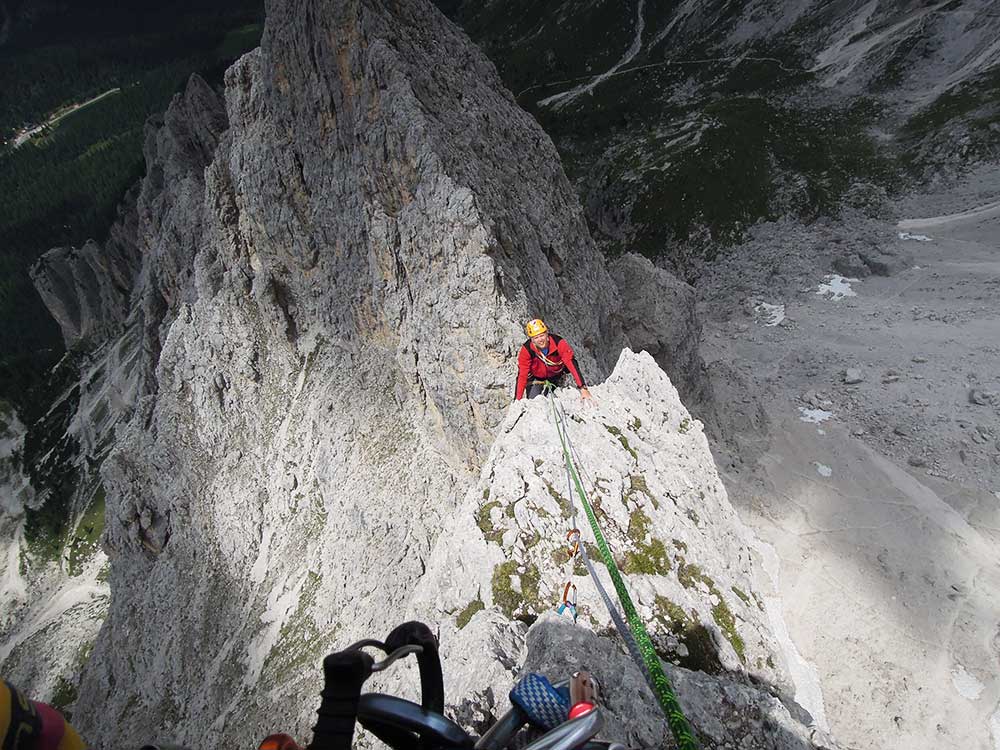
[(535, 328)]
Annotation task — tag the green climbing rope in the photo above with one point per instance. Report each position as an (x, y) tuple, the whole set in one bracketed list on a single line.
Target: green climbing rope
[(679, 726)]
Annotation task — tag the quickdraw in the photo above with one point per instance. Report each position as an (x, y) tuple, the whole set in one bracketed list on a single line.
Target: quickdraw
[(573, 537), (568, 601)]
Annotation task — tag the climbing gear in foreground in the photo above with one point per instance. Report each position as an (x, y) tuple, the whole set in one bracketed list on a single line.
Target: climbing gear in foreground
[(650, 662), (535, 328), (542, 704), (30, 725), (405, 725), (583, 688), (278, 742), (568, 600)]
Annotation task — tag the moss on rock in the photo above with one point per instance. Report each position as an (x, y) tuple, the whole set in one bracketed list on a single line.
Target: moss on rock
[(726, 621), (702, 654), (485, 524), (86, 539), (689, 576), (565, 506), (510, 601), (476, 605), (741, 595), (646, 557), (623, 440), (300, 641)]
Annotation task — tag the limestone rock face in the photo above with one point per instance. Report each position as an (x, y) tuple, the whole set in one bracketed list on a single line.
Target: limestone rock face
[(319, 442), (685, 555), (728, 711), (659, 316), (87, 289), (330, 342), (144, 268)]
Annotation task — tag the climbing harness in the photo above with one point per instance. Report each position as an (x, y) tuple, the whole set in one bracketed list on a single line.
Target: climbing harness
[(636, 638), (545, 359)]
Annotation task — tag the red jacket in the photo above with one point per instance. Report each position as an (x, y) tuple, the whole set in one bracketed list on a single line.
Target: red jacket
[(531, 362)]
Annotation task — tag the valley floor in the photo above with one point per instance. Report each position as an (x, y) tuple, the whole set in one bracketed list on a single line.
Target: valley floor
[(880, 487)]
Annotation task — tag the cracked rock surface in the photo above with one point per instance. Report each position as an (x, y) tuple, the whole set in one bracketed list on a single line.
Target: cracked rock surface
[(310, 390)]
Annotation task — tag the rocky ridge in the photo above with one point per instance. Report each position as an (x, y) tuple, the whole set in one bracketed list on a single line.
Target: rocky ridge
[(315, 359), (686, 556)]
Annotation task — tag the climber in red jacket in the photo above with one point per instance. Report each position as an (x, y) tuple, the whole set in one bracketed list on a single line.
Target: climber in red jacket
[(545, 357)]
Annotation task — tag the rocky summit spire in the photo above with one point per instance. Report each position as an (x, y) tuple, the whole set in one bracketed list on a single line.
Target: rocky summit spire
[(335, 355), (328, 282)]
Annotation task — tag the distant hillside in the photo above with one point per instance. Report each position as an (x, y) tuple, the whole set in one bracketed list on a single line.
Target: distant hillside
[(64, 185), (683, 123)]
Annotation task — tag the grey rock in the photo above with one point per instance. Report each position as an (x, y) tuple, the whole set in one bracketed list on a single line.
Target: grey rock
[(853, 376), (917, 461), (659, 316), (884, 263), (649, 449), (365, 225), (851, 266), (726, 711), (978, 397), (86, 289), (352, 240)]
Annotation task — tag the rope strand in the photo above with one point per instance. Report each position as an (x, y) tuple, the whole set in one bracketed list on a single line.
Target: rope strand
[(659, 683)]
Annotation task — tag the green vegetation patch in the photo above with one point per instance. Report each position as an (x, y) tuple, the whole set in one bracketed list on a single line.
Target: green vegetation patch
[(86, 539), (490, 532), (63, 187), (637, 484), (531, 539), (623, 440), (651, 558), (507, 598), (48, 458), (702, 654), (689, 574), (239, 41), (300, 643), (646, 557), (565, 506), (65, 695), (960, 101), (727, 623), (741, 595), (530, 42), (476, 605)]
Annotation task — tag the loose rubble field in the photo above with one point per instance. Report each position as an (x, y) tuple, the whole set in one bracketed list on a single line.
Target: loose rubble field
[(874, 346)]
